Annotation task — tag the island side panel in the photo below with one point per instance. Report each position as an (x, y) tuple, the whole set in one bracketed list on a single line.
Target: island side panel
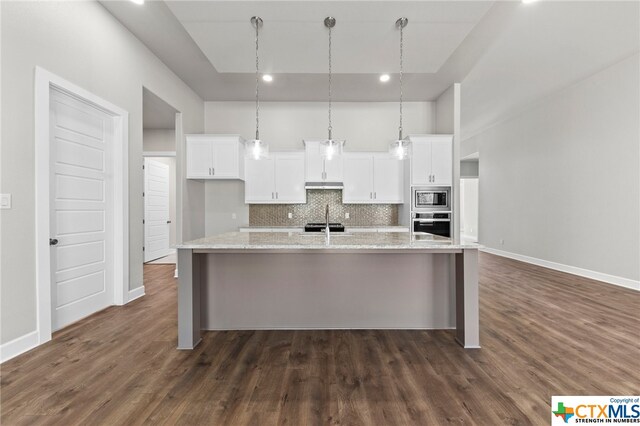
[(327, 290), (467, 308), (189, 330)]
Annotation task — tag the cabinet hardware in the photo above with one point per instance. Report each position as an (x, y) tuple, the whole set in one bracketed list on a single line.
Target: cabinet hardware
[(375, 195), (168, 221), (213, 171), (272, 196), (371, 195), (276, 195)]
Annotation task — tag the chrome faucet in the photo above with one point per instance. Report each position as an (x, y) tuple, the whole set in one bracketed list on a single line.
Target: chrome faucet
[(327, 231)]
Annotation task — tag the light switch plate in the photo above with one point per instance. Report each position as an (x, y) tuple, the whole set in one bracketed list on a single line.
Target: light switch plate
[(290, 215), (5, 201), (346, 215)]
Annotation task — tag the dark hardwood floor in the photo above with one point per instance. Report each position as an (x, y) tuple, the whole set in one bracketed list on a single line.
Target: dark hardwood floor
[(543, 333)]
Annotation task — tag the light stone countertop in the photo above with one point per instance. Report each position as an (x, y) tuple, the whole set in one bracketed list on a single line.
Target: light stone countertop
[(297, 241)]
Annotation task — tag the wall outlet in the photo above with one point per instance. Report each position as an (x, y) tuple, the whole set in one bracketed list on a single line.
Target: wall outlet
[(346, 215), (5, 201), (290, 215), (234, 216)]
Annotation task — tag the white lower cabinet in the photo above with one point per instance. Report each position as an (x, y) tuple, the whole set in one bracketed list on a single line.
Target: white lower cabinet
[(372, 178), (276, 180)]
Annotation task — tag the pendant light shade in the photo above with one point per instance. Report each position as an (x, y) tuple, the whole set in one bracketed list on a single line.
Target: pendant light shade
[(257, 148), (330, 147), (400, 147)]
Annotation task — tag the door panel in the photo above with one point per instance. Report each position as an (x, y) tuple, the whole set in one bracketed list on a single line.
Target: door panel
[(420, 162), (441, 161), (81, 138), (259, 183), (388, 180), (156, 209), (199, 158), (225, 159), (314, 163), (358, 178), (289, 175)]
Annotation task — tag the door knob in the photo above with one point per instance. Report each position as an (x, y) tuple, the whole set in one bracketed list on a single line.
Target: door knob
[(168, 221), (53, 241)]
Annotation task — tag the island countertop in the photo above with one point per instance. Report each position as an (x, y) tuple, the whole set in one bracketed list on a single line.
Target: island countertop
[(297, 241)]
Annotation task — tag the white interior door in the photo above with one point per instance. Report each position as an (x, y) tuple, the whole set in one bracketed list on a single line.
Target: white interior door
[(81, 210), (156, 209)]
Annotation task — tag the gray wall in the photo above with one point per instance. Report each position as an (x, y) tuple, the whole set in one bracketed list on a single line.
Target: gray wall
[(469, 169), (83, 43), (366, 126), (159, 139), (561, 181)]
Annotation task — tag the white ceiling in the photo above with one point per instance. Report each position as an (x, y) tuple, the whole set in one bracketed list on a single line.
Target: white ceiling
[(294, 39), (506, 54), (167, 28), (545, 47)]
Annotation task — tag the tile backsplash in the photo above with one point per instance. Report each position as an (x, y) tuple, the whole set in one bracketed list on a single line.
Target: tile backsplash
[(314, 210)]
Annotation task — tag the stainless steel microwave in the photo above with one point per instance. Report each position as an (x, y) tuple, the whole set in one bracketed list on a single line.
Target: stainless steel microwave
[(433, 198)]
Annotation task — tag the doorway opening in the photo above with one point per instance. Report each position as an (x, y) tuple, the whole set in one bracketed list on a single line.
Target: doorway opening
[(469, 198), (160, 222)]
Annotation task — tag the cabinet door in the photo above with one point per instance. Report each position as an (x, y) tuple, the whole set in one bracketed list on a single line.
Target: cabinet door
[(442, 161), (225, 159), (289, 178), (420, 162), (334, 169), (259, 183), (199, 159), (314, 163), (388, 180), (358, 178)]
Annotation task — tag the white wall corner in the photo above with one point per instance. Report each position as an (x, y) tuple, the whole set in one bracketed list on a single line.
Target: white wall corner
[(18, 346), (135, 294), (594, 275)]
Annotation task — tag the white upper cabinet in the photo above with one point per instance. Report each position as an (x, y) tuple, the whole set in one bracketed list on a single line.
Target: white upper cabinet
[(372, 178), (318, 168), (358, 178), (276, 180), (215, 157), (432, 160), (388, 179)]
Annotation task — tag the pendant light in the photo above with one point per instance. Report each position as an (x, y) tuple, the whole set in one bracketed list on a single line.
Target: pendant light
[(400, 147), (330, 147), (257, 148)]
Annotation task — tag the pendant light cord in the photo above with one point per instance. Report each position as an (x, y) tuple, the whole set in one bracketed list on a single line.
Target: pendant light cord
[(258, 20), (401, 72), (330, 128)]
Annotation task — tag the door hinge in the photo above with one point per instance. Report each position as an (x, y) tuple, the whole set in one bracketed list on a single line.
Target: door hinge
[(143, 167), (143, 221), (143, 248), (143, 193)]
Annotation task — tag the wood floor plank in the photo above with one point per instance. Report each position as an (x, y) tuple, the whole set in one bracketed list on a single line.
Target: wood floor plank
[(543, 333)]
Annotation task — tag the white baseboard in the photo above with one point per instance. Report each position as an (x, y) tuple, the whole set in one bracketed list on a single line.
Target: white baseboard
[(135, 293), (18, 346), (598, 276)]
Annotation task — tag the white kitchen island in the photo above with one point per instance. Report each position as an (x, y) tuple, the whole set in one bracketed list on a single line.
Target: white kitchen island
[(300, 281)]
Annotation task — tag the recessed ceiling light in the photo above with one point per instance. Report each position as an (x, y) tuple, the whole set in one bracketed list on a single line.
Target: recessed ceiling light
[(529, 1), (384, 78), (138, 1), (267, 77)]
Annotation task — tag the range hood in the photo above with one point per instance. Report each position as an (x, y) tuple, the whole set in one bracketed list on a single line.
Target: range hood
[(324, 185)]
